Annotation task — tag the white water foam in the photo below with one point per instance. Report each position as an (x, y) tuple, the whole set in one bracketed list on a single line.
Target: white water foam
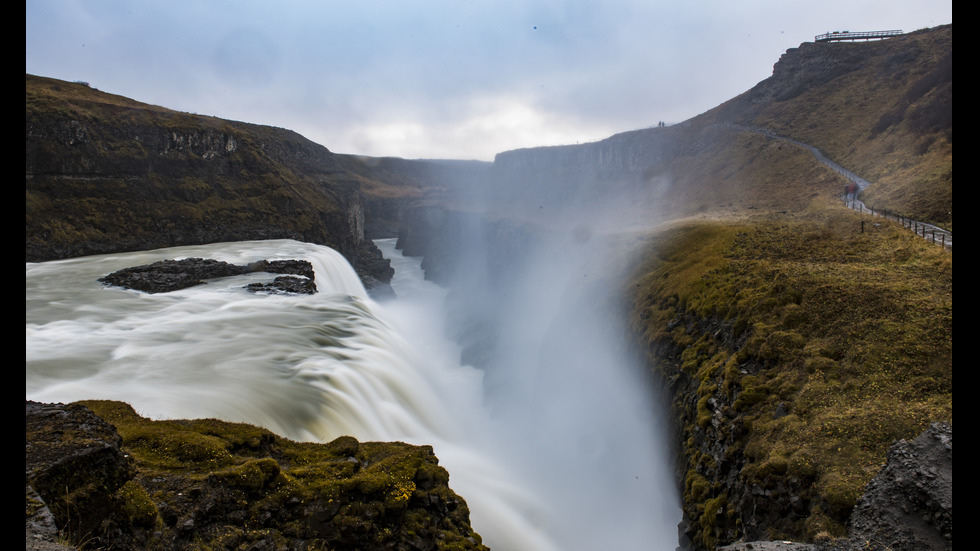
[(317, 367)]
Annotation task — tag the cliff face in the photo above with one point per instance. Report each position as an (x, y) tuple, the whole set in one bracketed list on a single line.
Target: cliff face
[(107, 174), (625, 165), (620, 157)]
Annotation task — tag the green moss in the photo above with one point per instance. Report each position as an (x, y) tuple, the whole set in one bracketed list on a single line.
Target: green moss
[(703, 413), (250, 476), (749, 397), (33, 504), (137, 507), (360, 491), (696, 487), (802, 465), (819, 527), (840, 492), (713, 509)]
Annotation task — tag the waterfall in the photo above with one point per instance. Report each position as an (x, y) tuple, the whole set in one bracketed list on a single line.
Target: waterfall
[(316, 367)]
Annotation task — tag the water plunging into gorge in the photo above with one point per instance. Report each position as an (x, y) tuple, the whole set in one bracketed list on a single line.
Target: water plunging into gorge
[(561, 452)]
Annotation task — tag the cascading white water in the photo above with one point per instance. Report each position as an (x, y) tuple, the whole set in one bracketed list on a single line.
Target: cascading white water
[(562, 470)]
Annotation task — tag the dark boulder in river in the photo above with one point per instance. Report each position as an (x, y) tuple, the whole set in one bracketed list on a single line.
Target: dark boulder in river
[(171, 275)]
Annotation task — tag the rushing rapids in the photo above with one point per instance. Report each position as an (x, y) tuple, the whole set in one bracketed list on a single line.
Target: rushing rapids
[(575, 466)]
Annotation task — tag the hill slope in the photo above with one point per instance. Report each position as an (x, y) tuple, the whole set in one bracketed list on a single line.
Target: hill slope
[(880, 109), (105, 173), (883, 109), (800, 341)]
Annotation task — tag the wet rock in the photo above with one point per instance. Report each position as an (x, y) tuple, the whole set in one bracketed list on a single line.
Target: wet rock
[(909, 505), (285, 285), (171, 275), (74, 465)]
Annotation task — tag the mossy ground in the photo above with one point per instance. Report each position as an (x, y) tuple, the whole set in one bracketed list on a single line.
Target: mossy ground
[(840, 344), (232, 478)]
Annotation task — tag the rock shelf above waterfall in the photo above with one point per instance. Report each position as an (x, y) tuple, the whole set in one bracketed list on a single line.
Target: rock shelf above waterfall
[(171, 275)]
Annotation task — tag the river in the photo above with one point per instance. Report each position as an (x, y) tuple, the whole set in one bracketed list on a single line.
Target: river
[(572, 462)]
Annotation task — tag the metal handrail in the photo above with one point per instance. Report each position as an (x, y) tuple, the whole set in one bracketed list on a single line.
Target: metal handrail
[(860, 35)]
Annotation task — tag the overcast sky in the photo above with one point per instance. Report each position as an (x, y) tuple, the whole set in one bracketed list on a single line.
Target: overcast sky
[(460, 79)]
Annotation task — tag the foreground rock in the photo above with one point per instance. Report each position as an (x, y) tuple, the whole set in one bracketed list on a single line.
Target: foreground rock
[(770, 546), (907, 507), (74, 468), (168, 485)]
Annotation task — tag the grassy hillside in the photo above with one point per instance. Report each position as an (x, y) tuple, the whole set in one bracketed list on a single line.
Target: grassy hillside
[(801, 339), (724, 171), (106, 173), (812, 347), (881, 109)]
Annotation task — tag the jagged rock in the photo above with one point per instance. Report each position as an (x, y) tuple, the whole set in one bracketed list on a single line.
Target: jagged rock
[(908, 506), (74, 464), (295, 267), (285, 285), (171, 275), (375, 271)]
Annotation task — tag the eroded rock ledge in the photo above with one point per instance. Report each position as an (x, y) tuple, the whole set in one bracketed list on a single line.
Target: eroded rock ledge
[(99, 474)]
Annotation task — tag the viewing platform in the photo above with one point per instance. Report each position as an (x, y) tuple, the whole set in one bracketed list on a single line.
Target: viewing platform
[(860, 35)]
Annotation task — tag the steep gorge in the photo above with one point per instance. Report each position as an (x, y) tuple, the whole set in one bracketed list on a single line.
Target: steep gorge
[(748, 322)]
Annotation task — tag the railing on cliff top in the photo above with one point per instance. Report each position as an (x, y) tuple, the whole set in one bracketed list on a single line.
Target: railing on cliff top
[(939, 236), (860, 35)]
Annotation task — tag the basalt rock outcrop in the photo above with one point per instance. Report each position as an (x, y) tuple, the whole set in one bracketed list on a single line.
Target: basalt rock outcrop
[(115, 480), (74, 468), (909, 505), (171, 275)]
